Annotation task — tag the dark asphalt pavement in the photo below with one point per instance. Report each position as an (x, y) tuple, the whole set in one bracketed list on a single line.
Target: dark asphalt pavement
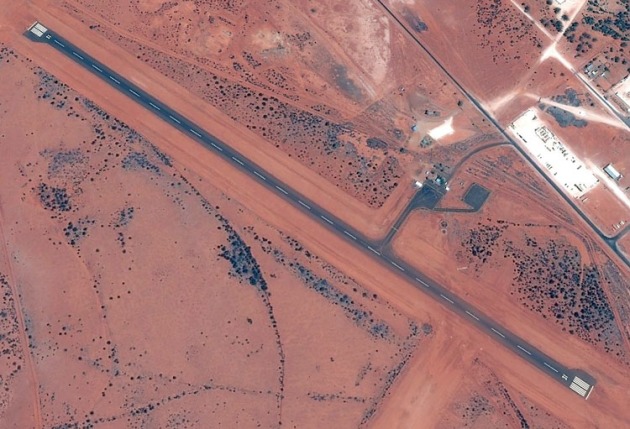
[(566, 376)]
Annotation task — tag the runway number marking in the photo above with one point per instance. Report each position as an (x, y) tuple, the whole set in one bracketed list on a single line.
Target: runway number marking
[(498, 333), (260, 175), (525, 350), (472, 315), (304, 204), (550, 367), (97, 68)]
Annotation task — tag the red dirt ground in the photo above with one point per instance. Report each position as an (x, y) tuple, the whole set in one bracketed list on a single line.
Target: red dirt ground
[(148, 284)]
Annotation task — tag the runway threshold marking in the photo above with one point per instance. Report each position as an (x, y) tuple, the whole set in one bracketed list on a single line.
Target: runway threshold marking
[(524, 349), (302, 203), (447, 298), (237, 160), (134, 92), (260, 175), (350, 235), (550, 367), (326, 219), (472, 315), (374, 250), (498, 333), (97, 68), (282, 190), (77, 55), (397, 266)]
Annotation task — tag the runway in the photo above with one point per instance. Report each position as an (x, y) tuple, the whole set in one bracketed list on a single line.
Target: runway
[(576, 380)]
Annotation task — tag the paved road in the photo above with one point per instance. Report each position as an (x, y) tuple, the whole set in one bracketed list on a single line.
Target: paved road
[(611, 242), (568, 377)]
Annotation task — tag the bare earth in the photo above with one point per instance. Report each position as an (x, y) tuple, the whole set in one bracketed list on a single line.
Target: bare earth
[(148, 284)]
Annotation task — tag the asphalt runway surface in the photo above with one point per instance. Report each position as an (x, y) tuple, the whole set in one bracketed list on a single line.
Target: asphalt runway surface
[(574, 379)]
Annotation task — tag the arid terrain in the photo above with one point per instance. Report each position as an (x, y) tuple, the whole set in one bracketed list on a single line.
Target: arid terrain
[(148, 283)]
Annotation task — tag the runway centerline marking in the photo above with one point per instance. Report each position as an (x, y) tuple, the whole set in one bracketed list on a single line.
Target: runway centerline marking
[(237, 160), (260, 175), (326, 219), (350, 235), (447, 298), (472, 315), (77, 55), (282, 190), (525, 350), (550, 367), (374, 250), (217, 147), (302, 203), (95, 67), (134, 92), (114, 79), (422, 282), (59, 43), (154, 106), (397, 266), (498, 333), (174, 119), (195, 132)]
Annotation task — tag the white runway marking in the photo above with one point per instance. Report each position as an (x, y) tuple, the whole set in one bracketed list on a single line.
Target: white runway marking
[(525, 350), (115, 80), (95, 67), (397, 266), (218, 148), (374, 250), (327, 220), (498, 333), (154, 106), (195, 132), (447, 298), (550, 367), (350, 235), (174, 119), (260, 175), (423, 283), (472, 315), (304, 204), (237, 160), (59, 43), (134, 92), (77, 55), (282, 190)]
